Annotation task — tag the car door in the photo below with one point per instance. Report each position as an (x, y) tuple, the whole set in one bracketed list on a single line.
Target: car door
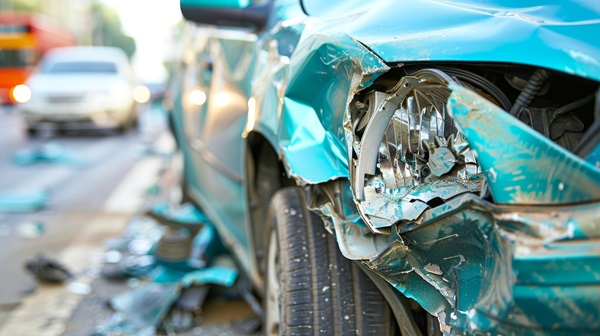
[(216, 91)]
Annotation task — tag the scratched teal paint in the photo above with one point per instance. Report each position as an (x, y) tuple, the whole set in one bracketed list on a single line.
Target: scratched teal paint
[(490, 279), (594, 156), (521, 165)]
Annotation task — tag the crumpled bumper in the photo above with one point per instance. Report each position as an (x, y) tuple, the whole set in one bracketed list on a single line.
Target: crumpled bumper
[(526, 264), (501, 269)]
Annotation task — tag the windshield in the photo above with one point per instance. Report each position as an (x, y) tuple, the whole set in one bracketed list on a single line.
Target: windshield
[(79, 67)]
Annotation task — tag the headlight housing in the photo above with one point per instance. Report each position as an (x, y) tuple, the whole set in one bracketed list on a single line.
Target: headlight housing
[(407, 154)]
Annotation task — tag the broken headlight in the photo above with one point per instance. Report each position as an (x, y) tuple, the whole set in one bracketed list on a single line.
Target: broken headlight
[(407, 154)]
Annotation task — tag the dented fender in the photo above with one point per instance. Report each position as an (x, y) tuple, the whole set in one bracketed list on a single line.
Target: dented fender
[(300, 112)]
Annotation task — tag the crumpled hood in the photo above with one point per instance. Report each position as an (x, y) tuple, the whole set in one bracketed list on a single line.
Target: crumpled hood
[(563, 36)]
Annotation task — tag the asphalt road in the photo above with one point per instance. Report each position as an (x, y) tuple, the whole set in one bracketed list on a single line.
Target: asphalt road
[(101, 181), (77, 192)]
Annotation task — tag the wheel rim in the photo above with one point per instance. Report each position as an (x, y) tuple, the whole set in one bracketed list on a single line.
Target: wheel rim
[(273, 290)]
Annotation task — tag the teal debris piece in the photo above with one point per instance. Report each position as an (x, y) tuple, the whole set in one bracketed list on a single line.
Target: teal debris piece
[(119, 325), (152, 190), (216, 275), (47, 153), (186, 213), (146, 305), (23, 202)]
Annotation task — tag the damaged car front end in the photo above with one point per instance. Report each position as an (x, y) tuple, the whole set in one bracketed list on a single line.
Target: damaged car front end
[(451, 147), (474, 187), (491, 226)]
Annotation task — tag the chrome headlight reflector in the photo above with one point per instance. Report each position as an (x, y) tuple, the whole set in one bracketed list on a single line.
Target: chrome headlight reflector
[(407, 154)]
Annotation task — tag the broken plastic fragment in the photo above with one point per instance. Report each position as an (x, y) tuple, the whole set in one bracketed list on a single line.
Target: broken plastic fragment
[(146, 305), (48, 270), (433, 269), (23, 202), (30, 230), (216, 275), (49, 152)]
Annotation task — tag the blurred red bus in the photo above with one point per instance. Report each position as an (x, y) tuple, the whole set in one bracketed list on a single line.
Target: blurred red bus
[(24, 38)]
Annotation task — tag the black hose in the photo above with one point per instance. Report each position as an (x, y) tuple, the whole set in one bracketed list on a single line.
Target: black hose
[(481, 82), (576, 104), (530, 90)]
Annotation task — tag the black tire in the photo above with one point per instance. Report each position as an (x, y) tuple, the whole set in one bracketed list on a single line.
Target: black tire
[(321, 292)]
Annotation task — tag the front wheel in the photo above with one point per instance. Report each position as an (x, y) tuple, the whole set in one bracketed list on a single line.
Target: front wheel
[(310, 287)]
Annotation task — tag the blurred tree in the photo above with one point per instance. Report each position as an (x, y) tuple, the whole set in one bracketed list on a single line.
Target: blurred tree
[(108, 29), (21, 5)]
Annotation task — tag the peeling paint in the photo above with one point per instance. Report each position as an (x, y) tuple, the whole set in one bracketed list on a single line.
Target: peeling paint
[(521, 165)]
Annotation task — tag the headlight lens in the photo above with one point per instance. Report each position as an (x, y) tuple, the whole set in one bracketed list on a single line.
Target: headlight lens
[(20, 93), (141, 94)]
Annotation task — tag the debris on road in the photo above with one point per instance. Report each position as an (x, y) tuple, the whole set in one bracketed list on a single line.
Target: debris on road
[(24, 202), (30, 230), (50, 152), (174, 255), (80, 288), (152, 190), (48, 270)]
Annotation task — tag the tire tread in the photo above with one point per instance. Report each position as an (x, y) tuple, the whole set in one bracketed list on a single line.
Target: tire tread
[(323, 292)]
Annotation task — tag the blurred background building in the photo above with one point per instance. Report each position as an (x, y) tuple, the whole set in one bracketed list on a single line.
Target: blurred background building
[(91, 22)]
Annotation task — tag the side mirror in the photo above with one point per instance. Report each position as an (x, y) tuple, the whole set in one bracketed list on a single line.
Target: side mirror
[(228, 13)]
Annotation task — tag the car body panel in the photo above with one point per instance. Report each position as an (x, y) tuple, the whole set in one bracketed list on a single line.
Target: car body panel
[(521, 165), (539, 27), (561, 36), (302, 125), (211, 132)]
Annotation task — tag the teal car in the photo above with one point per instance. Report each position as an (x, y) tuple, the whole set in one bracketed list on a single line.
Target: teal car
[(384, 167)]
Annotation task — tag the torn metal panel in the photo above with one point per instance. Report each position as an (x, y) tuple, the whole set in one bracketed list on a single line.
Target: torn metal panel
[(493, 269), (308, 128), (478, 267), (520, 164)]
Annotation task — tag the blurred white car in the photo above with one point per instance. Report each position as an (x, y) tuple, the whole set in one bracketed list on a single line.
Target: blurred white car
[(80, 87)]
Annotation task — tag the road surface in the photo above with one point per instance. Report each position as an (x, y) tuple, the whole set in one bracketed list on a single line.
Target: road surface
[(107, 179)]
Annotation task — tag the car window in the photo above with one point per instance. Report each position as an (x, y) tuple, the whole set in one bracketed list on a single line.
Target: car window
[(80, 67)]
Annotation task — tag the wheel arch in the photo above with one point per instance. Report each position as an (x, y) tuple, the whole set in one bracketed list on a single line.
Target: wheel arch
[(261, 164)]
